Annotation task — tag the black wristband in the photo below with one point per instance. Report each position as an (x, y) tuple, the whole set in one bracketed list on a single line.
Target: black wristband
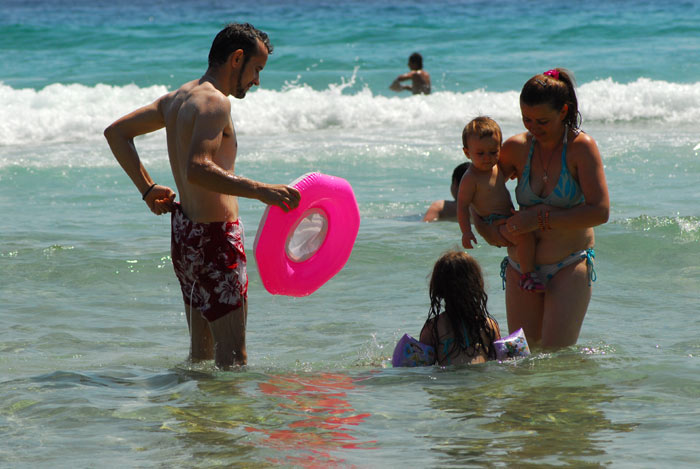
[(148, 190)]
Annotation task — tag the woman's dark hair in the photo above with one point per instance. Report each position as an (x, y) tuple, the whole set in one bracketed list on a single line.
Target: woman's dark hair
[(458, 283), (237, 36), (555, 87)]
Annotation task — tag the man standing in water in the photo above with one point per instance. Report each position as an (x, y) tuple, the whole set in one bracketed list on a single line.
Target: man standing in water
[(420, 79), (207, 236)]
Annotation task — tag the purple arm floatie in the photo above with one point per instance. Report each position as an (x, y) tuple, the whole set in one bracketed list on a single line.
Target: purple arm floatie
[(410, 352), (513, 346)]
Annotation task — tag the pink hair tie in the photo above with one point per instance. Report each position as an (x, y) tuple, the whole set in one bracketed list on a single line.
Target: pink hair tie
[(554, 73)]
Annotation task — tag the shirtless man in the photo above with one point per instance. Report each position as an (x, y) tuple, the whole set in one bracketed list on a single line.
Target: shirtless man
[(420, 79), (207, 236), (447, 209)]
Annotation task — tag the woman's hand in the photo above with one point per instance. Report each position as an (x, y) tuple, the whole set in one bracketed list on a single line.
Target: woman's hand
[(523, 221)]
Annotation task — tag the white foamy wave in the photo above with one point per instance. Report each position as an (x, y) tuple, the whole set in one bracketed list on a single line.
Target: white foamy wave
[(68, 113), (303, 109), (643, 99)]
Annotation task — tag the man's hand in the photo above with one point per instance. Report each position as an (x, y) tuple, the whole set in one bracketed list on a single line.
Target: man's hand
[(285, 197), (160, 199)]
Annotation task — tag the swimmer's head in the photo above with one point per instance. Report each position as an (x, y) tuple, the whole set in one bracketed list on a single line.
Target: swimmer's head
[(415, 61), (457, 174), (556, 88)]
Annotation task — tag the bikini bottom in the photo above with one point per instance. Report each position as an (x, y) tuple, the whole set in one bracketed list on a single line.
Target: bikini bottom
[(547, 271)]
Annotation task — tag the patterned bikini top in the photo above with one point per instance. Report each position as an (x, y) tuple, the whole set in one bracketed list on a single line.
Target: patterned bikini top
[(566, 194)]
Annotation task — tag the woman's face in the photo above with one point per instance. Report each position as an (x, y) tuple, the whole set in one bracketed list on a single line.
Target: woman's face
[(542, 121)]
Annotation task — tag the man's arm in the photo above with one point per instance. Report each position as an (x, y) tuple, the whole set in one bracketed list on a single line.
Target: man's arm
[(120, 137), (396, 84), (433, 212), (207, 134)]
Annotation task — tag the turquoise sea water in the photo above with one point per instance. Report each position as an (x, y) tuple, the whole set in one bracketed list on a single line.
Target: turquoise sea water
[(93, 347)]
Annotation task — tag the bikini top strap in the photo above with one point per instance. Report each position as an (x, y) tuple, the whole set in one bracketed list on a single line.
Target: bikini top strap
[(532, 150), (526, 169)]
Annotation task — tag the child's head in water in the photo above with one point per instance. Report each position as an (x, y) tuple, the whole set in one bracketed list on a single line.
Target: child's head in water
[(458, 285), (481, 139)]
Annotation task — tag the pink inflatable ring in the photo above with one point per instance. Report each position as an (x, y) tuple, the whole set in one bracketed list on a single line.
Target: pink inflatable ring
[(298, 251)]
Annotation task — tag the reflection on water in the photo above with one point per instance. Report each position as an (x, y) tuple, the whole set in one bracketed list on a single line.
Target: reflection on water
[(297, 420), (317, 420), (517, 416), (208, 418)]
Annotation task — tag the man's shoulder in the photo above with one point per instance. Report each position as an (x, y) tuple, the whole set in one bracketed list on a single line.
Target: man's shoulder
[(202, 96)]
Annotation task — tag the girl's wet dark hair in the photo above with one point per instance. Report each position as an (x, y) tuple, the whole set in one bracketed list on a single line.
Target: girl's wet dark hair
[(556, 88), (237, 36), (457, 283)]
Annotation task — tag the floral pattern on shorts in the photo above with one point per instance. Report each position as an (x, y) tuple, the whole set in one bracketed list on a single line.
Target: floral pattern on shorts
[(210, 263)]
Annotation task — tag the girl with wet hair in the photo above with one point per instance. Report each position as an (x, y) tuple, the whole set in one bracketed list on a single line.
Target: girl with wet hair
[(459, 326)]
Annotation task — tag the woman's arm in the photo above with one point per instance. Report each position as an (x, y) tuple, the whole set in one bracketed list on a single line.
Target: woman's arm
[(589, 170)]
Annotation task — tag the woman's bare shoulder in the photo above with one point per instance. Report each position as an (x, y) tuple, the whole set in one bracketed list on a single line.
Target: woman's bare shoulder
[(518, 139), (582, 139), (514, 153), (583, 147), (515, 145)]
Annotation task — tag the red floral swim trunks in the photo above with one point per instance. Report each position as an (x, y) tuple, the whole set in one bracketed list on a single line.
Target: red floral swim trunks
[(210, 263)]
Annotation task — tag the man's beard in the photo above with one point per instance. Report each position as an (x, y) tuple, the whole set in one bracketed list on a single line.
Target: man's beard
[(240, 91)]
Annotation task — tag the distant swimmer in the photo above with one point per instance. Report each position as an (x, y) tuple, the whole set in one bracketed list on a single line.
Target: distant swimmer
[(446, 210), (420, 79)]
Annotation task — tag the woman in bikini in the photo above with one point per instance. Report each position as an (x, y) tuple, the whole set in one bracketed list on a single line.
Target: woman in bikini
[(562, 194)]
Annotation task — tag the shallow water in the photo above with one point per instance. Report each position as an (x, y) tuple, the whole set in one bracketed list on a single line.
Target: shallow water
[(94, 344)]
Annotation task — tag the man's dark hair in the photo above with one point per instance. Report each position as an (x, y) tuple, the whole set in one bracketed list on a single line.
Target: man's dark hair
[(459, 171), (237, 36), (417, 59)]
